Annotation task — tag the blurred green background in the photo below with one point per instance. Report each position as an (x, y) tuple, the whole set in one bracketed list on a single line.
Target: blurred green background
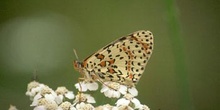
[(182, 74)]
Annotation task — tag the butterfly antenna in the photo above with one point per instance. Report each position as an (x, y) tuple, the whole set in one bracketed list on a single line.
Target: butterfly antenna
[(74, 50)]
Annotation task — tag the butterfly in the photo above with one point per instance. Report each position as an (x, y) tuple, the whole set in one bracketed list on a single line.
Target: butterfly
[(122, 61)]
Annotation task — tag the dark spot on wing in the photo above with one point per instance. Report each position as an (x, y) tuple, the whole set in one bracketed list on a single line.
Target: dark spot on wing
[(123, 38)]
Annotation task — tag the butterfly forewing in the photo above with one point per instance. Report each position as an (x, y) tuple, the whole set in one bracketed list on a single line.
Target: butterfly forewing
[(121, 61)]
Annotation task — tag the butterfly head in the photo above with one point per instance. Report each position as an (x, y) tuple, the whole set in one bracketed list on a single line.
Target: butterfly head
[(77, 65)]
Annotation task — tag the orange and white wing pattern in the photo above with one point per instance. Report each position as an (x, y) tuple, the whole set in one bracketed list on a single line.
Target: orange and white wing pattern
[(121, 61)]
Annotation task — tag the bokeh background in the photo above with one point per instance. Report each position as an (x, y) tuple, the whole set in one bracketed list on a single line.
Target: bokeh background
[(39, 36)]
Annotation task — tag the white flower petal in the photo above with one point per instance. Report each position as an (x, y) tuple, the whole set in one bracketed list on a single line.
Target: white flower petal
[(92, 86), (133, 91), (35, 100), (80, 105), (61, 97), (28, 93), (59, 108), (104, 89), (72, 107), (122, 101), (12, 107), (112, 94), (36, 90), (123, 89), (83, 106), (38, 96), (116, 94), (107, 93), (49, 97), (58, 99), (54, 94), (34, 103), (69, 95), (144, 107), (113, 90), (136, 103), (125, 107), (81, 86), (77, 86), (105, 107), (40, 108), (114, 108), (90, 99)]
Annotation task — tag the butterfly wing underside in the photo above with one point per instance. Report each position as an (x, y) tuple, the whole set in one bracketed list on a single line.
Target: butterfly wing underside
[(123, 60)]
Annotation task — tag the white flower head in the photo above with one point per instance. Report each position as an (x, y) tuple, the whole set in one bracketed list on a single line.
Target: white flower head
[(34, 88), (46, 93), (65, 106), (46, 90), (87, 85), (44, 104), (32, 85), (113, 89), (51, 106), (128, 100), (84, 98)]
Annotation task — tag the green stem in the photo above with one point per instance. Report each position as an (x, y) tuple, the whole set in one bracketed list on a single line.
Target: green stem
[(179, 57)]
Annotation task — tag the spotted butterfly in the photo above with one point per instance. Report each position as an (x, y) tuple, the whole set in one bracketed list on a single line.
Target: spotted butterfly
[(122, 61)]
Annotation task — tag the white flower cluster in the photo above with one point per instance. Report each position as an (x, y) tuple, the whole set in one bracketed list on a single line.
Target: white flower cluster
[(45, 98), (114, 90)]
